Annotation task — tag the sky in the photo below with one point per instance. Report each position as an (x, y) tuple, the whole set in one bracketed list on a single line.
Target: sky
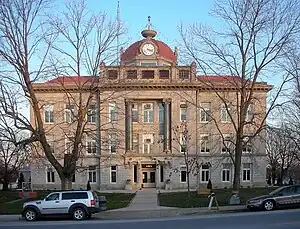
[(166, 15)]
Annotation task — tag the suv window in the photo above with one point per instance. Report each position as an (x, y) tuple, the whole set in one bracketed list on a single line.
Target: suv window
[(288, 191), (74, 195), (54, 196), (297, 190)]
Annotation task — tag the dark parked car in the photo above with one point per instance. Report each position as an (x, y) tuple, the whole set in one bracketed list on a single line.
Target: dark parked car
[(283, 197)]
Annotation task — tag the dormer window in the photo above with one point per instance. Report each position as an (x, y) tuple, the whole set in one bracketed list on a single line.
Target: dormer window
[(164, 74), (112, 74), (148, 74), (184, 74)]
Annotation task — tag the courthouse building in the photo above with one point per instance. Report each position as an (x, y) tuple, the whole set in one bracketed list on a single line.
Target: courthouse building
[(153, 112)]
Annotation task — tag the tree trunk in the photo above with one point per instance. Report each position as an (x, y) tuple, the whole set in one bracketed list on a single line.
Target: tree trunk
[(66, 183), (237, 167), (188, 186), (5, 185)]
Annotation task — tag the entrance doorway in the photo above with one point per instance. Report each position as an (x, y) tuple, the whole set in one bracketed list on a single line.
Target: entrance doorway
[(148, 176)]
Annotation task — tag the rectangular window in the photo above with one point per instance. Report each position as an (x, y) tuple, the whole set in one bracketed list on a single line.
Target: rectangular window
[(148, 113), (131, 74), (161, 173), (112, 74), (135, 142), (225, 111), (90, 145), (50, 175), (91, 114), (69, 141), (164, 74), (92, 174), (148, 74), (183, 111), (148, 64), (49, 113), (183, 143), (69, 113), (247, 172), (204, 144), (226, 173), (249, 113), (204, 173), (183, 174), (135, 112), (227, 143), (51, 142), (113, 174), (112, 143), (205, 112), (112, 112), (135, 174), (161, 113), (184, 74), (147, 143), (247, 146)]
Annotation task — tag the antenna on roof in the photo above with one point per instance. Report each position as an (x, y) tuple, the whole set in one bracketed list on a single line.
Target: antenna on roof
[(118, 32)]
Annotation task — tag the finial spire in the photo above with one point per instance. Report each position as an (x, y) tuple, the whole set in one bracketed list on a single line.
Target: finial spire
[(149, 23), (148, 32)]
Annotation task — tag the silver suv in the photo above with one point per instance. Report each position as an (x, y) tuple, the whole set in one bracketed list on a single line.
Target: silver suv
[(78, 204)]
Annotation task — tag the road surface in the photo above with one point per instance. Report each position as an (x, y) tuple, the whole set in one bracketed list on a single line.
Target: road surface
[(283, 219)]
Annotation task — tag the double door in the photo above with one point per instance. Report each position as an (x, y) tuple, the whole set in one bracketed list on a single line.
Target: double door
[(149, 179)]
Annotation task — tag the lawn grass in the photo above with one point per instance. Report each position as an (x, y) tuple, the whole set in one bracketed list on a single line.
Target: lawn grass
[(179, 199), (114, 200)]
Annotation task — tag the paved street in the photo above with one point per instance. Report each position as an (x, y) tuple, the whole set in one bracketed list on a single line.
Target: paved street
[(288, 219)]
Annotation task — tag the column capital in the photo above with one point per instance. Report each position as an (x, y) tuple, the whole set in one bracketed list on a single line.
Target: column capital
[(167, 100)]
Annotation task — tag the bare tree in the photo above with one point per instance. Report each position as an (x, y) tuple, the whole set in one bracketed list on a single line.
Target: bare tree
[(13, 157), (29, 46), (255, 38), (281, 151), (181, 138)]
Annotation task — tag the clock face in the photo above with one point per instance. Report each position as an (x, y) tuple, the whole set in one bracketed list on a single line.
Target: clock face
[(148, 49)]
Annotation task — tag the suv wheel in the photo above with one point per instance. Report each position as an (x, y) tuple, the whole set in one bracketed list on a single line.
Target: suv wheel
[(269, 205), (30, 214), (79, 214)]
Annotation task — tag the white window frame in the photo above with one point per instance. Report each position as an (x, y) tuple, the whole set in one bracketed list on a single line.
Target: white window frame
[(224, 112), (227, 142), (91, 114), (182, 169), (90, 144), (135, 109), (205, 111), (183, 142), (112, 141), (148, 112), (50, 169), (49, 113), (113, 171), (68, 145), (51, 142), (247, 146), (112, 112), (146, 144), (228, 169), (249, 113), (207, 143), (91, 173), (183, 111), (69, 113), (245, 171), (201, 174)]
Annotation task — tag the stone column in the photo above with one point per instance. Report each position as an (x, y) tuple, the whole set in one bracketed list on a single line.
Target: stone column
[(128, 125), (166, 124)]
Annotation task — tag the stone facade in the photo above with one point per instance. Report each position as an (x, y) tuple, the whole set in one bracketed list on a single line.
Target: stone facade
[(146, 104)]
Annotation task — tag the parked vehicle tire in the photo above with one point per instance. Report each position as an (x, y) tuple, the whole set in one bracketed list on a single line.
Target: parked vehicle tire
[(269, 205), (30, 214), (79, 214)]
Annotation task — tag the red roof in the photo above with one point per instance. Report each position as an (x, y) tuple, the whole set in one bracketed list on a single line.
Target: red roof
[(163, 50)]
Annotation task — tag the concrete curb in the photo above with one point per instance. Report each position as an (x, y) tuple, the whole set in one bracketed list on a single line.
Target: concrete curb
[(147, 213)]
